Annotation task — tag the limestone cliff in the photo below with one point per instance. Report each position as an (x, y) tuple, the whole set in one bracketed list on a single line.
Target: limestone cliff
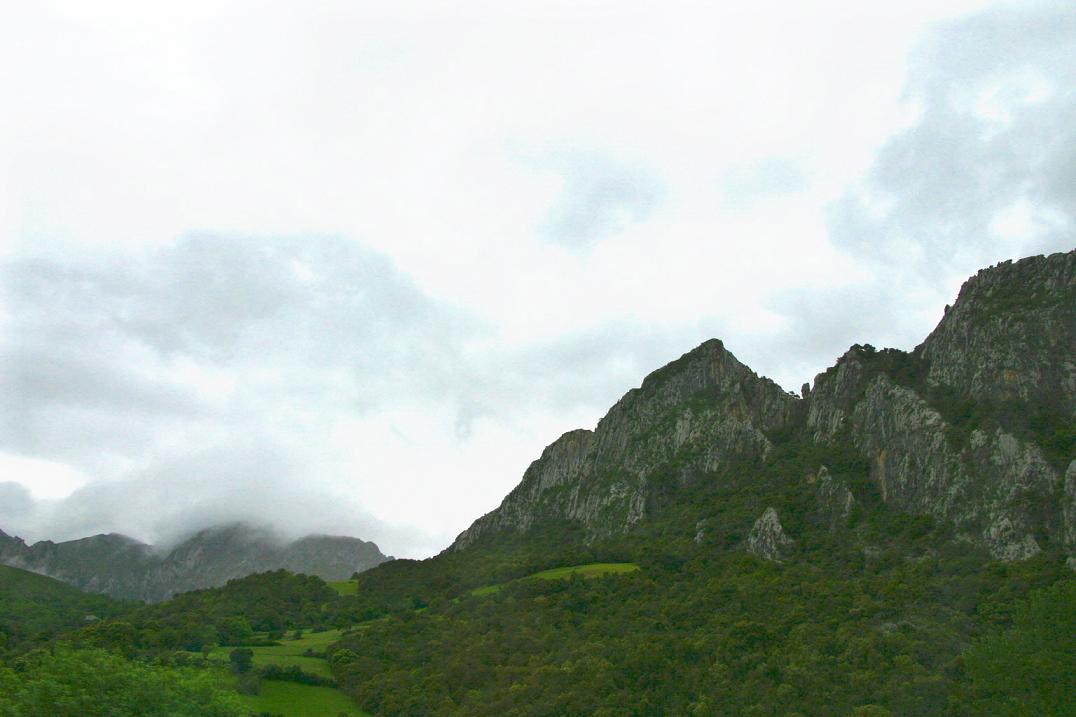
[(974, 427), (690, 418)]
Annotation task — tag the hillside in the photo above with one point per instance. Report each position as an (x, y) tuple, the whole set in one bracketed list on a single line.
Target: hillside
[(34, 608), (122, 567)]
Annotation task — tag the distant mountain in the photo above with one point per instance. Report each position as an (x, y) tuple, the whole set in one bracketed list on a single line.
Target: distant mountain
[(125, 568), (973, 428)]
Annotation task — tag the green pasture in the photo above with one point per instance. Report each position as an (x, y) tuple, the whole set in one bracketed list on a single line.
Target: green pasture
[(292, 699), (345, 587), (290, 652), (589, 570)]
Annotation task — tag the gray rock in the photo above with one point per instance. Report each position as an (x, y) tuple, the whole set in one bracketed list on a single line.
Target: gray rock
[(835, 501), (1010, 337), (703, 411), (767, 539)]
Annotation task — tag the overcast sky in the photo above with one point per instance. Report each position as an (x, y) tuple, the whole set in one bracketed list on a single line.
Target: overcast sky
[(348, 266)]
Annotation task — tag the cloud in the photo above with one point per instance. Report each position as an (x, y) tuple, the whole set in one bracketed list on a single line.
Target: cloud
[(744, 185), (303, 382), (986, 173), (599, 197), (199, 380), (382, 309)]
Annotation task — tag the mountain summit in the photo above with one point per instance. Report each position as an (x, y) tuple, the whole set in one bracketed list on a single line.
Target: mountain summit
[(973, 428)]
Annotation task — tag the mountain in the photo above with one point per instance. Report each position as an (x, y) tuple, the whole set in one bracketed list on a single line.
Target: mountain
[(897, 539), (973, 428), (125, 568)]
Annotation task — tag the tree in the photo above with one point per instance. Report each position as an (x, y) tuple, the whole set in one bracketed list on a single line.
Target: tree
[(96, 683), (1028, 668), (242, 659)]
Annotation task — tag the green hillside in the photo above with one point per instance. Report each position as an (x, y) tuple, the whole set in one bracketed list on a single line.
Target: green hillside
[(34, 608)]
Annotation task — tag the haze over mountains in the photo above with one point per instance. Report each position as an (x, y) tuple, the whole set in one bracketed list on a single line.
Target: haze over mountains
[(126, 568)]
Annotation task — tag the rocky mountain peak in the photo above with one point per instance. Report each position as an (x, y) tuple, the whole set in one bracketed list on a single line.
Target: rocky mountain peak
[(602, 479), (974, 428), (1011, 335)]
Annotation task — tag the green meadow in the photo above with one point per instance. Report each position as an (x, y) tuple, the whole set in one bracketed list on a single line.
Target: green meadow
[(590, 570), (345, 587), (290, 652), (295, 700)]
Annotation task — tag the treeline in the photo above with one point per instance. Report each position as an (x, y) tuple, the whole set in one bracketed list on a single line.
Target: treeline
[(34, 609), (270, 602)]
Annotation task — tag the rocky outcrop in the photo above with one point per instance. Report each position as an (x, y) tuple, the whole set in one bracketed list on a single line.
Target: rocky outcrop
[(953, 429), (121, 567), (703, 411), (1011, 335), (767, 539), (835, 500), (996, 489)]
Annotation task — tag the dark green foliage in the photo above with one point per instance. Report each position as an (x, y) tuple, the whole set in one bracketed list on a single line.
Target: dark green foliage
[(242, 659), (1029, 668), (227, 615), (868, 620), (35, 608), (719, 634), (294, 673)]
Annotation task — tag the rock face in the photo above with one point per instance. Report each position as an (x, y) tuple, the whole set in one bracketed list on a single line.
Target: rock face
[(125, 568), (835, 500), (974, 427), (767, 539), (1010, 335), (701, 412)]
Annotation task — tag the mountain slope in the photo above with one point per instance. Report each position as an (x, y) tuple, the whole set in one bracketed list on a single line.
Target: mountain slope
[(122, 567), (698, 415), (35, 607), (898, 541), (973, 428)]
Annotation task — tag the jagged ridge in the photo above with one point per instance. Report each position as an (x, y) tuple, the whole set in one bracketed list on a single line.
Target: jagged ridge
[(974, 427), (122, 567)]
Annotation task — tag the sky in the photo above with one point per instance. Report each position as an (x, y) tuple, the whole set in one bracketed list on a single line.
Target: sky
[(347, 267)]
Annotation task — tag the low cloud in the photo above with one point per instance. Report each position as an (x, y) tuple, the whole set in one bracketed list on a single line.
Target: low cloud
[(599, 197), (224, 378), (987, 171)]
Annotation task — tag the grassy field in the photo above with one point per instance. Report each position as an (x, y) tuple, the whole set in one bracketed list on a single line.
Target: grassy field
[(290, 698), (294, 700), (345, 587), (264, 656), (290, 652), (589, 570), (316, 641)]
